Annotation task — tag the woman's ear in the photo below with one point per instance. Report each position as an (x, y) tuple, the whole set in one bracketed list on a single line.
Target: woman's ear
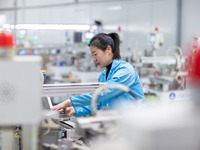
[(109, 49)]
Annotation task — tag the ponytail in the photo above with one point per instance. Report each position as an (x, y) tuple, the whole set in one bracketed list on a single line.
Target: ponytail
[(116, 47), (102, 41)]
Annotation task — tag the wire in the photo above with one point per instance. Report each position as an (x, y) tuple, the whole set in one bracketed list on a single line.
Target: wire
[(132, 94), (102, 88), (48, 129), (175, 47)]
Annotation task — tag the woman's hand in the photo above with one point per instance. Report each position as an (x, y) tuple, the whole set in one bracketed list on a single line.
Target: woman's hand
[(62, 106), (70, 111)]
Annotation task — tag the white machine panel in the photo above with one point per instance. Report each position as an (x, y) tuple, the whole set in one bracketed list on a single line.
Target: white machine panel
[(20, 90), (177, 96)]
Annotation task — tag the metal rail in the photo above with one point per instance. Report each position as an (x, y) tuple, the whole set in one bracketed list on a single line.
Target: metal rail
[(72, 88)]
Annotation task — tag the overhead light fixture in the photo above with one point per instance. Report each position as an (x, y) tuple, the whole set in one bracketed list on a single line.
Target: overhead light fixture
[(78, 27), (114, 8), (49, 27)]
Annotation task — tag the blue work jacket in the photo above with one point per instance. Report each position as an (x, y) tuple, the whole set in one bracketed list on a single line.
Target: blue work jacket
[(120, 72)]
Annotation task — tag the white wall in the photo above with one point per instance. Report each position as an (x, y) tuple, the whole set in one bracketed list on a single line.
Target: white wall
[(137, 18), (190, 22)]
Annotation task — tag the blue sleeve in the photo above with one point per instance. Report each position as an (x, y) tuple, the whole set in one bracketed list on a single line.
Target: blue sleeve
[(84, 110), (124, 75), (79, 100)]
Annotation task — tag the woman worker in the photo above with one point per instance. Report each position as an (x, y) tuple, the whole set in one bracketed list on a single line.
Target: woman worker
[(105, 49)]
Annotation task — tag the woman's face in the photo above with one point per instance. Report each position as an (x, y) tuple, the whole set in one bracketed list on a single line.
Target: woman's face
[(100, 57)]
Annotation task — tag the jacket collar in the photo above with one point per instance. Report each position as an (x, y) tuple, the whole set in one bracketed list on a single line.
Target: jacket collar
[(115, 63)]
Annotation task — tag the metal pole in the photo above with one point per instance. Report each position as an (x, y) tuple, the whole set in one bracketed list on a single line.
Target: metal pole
[(7, 137), (15, 23), (30, 137), (179, 19)]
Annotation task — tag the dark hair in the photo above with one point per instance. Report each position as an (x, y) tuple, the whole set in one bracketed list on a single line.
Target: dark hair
[(102, 40)]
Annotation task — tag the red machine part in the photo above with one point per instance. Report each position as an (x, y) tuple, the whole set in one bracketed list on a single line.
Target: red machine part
[(6, 39), (196, 65)]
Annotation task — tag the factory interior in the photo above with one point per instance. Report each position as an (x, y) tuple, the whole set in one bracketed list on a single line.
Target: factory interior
[(46, 59)]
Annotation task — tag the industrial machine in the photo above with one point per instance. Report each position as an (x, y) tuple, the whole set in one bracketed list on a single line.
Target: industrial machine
[(20, 103), (162, 73), (80, 132), (59, 130)]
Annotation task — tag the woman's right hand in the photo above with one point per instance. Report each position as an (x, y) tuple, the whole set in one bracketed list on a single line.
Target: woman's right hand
[(62, 106)]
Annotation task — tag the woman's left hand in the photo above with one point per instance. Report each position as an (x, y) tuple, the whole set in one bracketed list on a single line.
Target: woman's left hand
[(70, 111)]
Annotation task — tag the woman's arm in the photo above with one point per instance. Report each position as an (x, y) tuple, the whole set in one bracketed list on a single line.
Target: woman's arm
[(123, 76)]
